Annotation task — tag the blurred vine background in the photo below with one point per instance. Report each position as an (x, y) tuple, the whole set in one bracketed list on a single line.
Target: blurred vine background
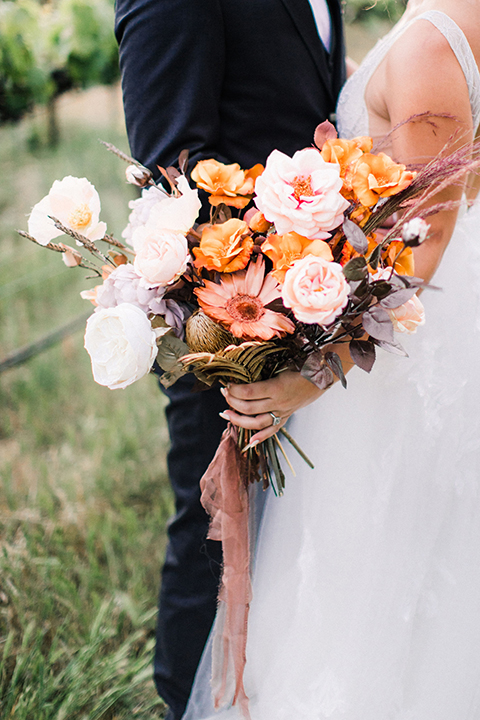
[(84, 496)]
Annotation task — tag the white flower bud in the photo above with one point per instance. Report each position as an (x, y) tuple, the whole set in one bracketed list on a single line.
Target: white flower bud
[(415, 232), (138, 175)]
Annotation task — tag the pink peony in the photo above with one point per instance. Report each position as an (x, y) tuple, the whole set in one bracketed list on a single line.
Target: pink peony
[(316, 290), (301, 194)]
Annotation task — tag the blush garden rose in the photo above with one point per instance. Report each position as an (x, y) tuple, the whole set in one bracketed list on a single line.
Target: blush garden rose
[(163, 256), (316, 290), (301, 194)]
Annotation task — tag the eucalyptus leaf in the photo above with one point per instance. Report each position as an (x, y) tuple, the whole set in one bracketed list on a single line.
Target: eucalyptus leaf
[(363, 353), (183, 161), (335, 364), (377, 323), (355, 236), (355, 269), (170, 350), (397, 298), (381, 288), (395, 348), (317, 371), (375, 257)]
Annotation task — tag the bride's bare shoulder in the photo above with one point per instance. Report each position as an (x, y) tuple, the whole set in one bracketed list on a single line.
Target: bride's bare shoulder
[(422, 74)]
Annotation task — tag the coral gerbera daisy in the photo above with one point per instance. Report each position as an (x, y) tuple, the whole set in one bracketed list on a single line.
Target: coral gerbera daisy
[(239, 303)]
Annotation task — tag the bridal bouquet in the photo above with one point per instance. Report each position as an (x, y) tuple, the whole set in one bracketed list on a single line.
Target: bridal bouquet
[(264, 286), (295, 260)]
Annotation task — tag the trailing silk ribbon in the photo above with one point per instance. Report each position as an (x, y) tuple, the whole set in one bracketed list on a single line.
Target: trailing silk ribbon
[(225, 498)]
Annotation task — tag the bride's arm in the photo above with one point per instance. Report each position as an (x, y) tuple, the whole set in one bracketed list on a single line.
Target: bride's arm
[(422, 76)]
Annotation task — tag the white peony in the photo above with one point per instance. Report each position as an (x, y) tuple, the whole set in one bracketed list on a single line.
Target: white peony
[(159, 211), (121, 344), (76, 203), (162, 256), (301, 194)]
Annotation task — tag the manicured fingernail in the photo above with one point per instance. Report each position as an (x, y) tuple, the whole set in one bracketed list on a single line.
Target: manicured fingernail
[(223, 391), (224, 415), (250, 445)]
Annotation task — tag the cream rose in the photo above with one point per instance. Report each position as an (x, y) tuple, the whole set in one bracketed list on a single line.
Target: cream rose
[(315, 289), (409, 316), (121, 344), (301, 194), (157, 211), (162, 257), (76, 203)]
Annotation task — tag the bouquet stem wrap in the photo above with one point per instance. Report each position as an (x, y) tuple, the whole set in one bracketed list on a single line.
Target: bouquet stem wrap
[(225, 498)]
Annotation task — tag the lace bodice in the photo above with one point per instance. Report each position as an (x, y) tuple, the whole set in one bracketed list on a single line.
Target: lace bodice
[(352, 111)]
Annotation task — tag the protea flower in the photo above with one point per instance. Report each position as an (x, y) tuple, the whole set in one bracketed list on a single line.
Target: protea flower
[(239, 302), (203, 334)]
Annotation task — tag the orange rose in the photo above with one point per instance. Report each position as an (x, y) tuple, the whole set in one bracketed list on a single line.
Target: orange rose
[(405, 264), (283, 250), (258, 223), (227, 184), (375, 176), (345, 152), (225, 248)]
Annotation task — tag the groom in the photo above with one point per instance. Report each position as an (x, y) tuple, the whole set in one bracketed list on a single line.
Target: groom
[(229, 79)]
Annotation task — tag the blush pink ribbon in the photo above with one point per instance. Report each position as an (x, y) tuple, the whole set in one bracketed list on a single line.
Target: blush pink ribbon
[(225, 498)]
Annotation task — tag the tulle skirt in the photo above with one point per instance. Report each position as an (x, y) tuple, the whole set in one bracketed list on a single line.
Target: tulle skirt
[(366, 601)]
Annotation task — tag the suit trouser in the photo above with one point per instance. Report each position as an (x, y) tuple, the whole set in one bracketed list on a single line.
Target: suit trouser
[(191, 571)]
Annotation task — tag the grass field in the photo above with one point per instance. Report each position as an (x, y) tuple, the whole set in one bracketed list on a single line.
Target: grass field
[(83, 490)]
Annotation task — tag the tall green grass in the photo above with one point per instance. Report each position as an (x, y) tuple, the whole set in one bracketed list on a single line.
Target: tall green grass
[(83, 490)]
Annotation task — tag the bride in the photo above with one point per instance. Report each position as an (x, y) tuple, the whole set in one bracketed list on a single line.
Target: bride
[(366, 588)]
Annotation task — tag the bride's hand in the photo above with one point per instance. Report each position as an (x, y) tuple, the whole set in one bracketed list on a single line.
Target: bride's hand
[(254, 406)]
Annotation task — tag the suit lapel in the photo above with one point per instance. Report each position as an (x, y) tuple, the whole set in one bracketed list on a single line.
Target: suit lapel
[(302, 16)]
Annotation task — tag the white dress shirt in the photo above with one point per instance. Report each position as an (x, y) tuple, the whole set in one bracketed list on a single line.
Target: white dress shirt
[(323, 21)]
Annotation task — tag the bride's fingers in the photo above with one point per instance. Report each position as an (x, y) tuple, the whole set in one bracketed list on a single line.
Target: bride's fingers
[(264, 421), (249, 391), (247, 407)]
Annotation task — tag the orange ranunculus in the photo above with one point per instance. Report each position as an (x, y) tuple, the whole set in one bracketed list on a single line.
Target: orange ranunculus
[(345, 152), (377, 176), (225, 247), (283, 250), (227, 184)]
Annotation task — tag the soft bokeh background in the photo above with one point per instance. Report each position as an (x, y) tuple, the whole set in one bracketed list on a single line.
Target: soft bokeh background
[(84, 496)]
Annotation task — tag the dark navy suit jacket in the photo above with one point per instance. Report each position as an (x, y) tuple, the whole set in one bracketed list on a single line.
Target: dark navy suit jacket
[(233, 80), (230, 79)]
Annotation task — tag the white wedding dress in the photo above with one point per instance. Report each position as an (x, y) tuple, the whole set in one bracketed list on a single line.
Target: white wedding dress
[(366, 590)]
